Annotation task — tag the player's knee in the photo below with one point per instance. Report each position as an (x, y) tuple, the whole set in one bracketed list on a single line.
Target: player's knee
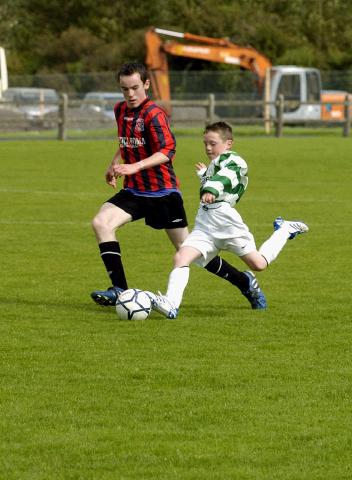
[(179, 260), (95, 224), (99, 224), (258, 268), (259, 265), (255, 261)]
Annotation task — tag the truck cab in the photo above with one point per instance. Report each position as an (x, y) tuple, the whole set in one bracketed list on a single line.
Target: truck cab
[(297, 85)]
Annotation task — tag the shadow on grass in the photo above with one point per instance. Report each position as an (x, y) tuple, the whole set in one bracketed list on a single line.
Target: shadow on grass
[(86, 307), (212, 311)]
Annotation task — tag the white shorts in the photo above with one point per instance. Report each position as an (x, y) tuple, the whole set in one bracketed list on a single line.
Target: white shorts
[(219, 227)]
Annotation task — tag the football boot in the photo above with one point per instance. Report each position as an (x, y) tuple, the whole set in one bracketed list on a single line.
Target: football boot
[(294, 227), (163, 305), (254, 294), (106, 298)]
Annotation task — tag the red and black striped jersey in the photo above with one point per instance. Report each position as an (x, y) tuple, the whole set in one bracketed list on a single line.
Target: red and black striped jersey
[(143, 131)]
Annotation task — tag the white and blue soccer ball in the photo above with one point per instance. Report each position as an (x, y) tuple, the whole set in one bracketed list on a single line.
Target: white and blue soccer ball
[(133, 304)]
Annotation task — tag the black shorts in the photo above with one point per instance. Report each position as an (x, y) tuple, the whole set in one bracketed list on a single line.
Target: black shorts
[(158, 212)]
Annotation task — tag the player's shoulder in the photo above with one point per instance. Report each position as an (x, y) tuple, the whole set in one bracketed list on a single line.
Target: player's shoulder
[(120, 106), (151, 109), (232, 156)]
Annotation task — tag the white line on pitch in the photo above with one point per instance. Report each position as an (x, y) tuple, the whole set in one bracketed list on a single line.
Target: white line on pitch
[(49, 192), (42, 222)]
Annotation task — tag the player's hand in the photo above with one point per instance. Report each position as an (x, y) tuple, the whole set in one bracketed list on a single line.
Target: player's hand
[(208, 197), (200, 166), (125, 169), (110, 177)]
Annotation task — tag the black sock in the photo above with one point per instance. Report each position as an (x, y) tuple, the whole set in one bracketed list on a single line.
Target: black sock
[(111, 255), (223, 269)]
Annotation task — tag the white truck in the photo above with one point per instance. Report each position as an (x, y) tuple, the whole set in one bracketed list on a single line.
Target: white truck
[(304, 98)]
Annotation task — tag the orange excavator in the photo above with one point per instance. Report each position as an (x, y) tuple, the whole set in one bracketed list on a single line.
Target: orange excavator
[(219, 50), (301, 86)]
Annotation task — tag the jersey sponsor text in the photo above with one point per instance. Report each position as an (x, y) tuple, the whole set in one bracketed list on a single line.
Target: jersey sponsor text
[(131, 142)]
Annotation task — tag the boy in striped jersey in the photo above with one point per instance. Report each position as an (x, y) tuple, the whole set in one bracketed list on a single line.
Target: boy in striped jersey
[(218, 226), (150, 187)]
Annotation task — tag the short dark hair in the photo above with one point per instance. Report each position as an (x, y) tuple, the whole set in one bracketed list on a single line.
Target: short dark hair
[(128, 69), (224, 129)]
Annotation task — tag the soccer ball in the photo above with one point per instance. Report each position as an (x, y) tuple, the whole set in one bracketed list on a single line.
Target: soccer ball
[(133, 304)]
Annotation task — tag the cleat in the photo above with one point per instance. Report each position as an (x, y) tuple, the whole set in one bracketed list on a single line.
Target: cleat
[(254, 294), (106, 298), (163, 305), (151, 295), (278, 222), (294, 227)]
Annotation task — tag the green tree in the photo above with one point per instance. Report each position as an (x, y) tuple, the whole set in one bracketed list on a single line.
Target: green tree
[(86, 35)]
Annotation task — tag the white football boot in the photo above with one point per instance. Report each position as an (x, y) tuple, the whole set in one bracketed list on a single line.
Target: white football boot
[(163, 305), (294, 227)]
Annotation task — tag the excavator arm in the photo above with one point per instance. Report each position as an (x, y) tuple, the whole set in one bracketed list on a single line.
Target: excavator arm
[(156, 62), (204, 48)]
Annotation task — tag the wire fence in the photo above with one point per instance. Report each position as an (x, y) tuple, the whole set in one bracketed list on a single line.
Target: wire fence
[(185, 84), (85, 102), (75, 114)]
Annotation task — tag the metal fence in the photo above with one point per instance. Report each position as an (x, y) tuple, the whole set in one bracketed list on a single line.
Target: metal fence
[(78, 115), (185, 84), (234, 97)]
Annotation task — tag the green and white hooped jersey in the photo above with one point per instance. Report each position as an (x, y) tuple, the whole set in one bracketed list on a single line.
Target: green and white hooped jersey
[(226, 178)]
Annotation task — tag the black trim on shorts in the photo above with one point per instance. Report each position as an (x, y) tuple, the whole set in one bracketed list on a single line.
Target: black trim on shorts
[(159, 212)]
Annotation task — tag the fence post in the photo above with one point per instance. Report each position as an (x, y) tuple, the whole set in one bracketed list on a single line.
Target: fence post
[(211, 108), (279, 115), (347, 115), (267, 101), (62, 117)]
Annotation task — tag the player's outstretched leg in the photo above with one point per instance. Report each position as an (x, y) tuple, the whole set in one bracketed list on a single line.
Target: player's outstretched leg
[(254, 294), (294, 227), (162, 304), (106, 298)]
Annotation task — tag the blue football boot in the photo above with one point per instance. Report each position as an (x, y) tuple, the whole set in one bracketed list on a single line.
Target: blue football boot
[(254, 294), (106, 298)]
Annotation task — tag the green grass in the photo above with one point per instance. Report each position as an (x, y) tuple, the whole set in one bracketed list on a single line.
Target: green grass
[(240, 131), (223, 392)]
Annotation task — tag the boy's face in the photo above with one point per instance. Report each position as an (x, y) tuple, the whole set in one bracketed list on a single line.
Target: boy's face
[(215, 145), (133, 89)]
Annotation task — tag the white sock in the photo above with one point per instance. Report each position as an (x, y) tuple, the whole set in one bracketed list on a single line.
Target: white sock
[(178, 280), (273, 246)]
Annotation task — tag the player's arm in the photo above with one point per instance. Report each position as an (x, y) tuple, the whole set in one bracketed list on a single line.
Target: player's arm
[(225, 180), (163, 145), (201, 168), (160, 135), (110, 175), (131, 168), (208, 197)]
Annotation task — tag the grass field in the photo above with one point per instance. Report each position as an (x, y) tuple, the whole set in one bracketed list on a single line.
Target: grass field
[(223, 392)]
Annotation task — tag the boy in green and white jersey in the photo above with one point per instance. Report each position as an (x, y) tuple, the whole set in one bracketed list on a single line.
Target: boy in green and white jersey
[(219, 226)]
